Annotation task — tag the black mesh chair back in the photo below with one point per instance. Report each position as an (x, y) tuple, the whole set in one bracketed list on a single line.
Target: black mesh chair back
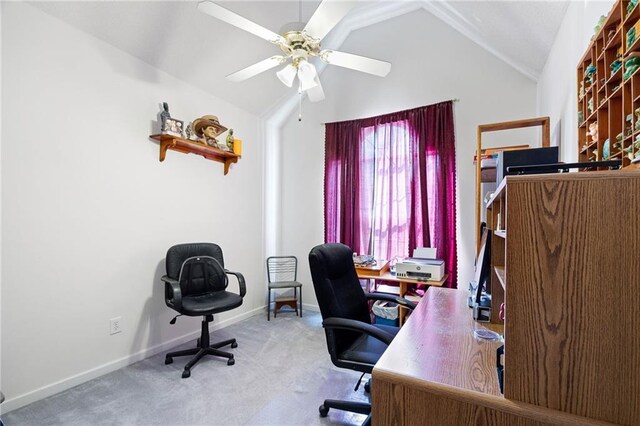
[(201, 275), (282, 269)]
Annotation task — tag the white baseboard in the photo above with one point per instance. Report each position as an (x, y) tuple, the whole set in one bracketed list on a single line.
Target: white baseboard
[(312, 308), (68, 383)]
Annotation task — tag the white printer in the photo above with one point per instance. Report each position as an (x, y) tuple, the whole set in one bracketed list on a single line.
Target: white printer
[(422, 266)]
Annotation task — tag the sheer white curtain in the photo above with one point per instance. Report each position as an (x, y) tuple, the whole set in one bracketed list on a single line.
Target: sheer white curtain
[(385, 189)]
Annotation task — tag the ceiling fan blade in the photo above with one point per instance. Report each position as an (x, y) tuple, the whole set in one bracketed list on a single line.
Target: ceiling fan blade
[(316, 93), (256, 68), (327, 16), (234, 19), (356, 62)]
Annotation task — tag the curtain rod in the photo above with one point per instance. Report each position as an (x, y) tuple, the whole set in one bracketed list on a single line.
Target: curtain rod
[(454, 100)]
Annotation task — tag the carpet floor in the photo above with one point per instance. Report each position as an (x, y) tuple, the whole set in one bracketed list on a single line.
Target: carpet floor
[(282, 374)]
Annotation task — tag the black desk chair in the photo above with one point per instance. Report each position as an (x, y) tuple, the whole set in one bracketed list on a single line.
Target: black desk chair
[(195, 285), (352, 340)]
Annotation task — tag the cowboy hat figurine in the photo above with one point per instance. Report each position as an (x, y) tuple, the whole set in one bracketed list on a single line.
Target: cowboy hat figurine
[(207, 128)]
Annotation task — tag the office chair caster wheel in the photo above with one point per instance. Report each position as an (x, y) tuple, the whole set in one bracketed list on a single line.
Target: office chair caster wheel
[(323, 411), (231, 361), (234, 345), (168, 360), (367, 387), (186, 374)]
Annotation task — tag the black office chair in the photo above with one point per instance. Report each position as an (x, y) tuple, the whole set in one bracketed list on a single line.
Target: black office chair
[(352, 340), (195, 285)]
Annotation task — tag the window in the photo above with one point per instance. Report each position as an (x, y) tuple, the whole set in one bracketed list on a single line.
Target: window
[(390, 184)]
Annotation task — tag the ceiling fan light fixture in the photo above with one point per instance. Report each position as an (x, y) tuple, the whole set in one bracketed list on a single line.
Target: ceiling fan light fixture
[(307, 75), (287, 75)]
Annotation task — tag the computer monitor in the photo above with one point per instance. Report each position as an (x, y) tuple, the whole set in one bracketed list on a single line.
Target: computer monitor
[(524, 157)]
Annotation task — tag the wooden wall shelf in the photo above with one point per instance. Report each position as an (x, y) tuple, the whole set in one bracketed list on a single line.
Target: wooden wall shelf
[(188, 146)]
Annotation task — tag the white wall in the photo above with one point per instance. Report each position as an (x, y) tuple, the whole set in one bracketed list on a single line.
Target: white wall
[(431, 63), (89, 211), (557, 86)]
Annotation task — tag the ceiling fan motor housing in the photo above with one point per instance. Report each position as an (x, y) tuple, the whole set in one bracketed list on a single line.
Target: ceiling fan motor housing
[(299, 44)]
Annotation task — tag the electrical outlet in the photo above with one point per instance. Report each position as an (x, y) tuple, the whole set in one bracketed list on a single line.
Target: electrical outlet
[(115, 325)]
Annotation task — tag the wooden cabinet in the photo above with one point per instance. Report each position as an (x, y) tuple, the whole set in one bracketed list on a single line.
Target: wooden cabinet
[(187, 146), (566, 263), (608, 95)]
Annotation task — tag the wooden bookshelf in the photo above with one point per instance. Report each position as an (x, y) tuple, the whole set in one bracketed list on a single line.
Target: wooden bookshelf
[(609, 97), (542, 122)]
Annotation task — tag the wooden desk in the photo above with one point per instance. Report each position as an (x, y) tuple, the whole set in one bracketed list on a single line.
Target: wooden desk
[(376, 270), (436, 373), (385, 275)]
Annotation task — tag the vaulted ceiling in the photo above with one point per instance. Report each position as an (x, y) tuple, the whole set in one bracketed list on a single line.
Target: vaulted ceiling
[(178, 39)]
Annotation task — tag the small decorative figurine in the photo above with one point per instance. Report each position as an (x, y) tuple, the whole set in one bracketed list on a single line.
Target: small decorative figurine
[(599, 24), (605, 150), (207, 128), (188, 131), (230, 139), (593, 131), (164, 115), (590, 72)]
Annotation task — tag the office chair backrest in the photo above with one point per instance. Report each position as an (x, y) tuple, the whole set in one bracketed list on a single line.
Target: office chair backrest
[(177, 254), (336, 283), (198, 276), (282, 268)]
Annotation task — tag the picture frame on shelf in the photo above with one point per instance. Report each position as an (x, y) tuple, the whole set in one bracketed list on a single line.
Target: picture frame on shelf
[(173, 127)]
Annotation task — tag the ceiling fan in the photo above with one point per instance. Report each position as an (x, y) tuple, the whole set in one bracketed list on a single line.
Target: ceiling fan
[(298, 46)]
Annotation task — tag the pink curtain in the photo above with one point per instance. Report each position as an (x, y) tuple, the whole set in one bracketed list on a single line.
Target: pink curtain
[(390, 184)]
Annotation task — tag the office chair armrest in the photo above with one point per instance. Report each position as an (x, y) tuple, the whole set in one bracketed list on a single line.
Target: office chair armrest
[(241, 283), (359, 326), (392, 298), (172, 293)]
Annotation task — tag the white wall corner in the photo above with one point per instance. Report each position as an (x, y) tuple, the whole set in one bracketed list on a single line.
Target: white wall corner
[(271, 124)]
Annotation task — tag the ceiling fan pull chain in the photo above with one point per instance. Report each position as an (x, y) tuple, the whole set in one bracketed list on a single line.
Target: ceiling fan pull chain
[(299, 101)]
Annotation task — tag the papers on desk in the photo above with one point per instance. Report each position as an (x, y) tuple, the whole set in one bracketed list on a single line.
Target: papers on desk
[(390, 289), (424, 252)]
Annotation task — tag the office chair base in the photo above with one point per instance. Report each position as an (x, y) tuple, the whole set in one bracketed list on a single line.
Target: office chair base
[(351, 406), (203, 348)]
